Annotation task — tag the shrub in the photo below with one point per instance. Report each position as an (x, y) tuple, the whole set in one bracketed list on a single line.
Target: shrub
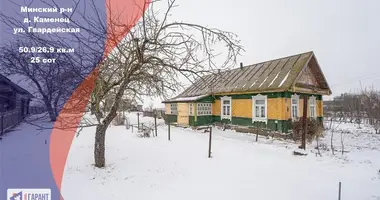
[(314, 129)]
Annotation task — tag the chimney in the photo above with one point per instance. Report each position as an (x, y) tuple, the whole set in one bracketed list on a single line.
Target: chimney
[(241, 65)]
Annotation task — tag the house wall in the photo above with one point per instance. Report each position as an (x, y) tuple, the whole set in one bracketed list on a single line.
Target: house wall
[(278, 111), (22, 103), (319, 108), (183, 113), (167, 109), (168, 116)]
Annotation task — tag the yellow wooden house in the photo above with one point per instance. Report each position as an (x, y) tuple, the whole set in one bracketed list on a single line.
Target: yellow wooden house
[(269, 93)]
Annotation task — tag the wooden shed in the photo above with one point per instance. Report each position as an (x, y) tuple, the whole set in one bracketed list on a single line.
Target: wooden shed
[(13, 97)]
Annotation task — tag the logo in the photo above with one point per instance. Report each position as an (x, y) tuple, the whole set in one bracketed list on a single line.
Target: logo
[(29, 194)]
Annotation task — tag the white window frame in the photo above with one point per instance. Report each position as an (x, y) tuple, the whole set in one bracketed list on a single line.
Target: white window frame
[(314, 109), (297, 98), (259, 119), (222, 115), (201, 106), (176, 109), (191, 109)]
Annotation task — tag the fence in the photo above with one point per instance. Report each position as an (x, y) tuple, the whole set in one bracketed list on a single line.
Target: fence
[(368, 121), (33, 110), (9, 120), (159, 113)]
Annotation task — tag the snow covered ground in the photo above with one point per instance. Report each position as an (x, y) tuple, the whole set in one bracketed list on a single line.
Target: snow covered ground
[(155, 168)]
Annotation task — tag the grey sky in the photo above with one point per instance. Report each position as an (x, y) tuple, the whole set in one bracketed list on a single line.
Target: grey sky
[(344, 34)]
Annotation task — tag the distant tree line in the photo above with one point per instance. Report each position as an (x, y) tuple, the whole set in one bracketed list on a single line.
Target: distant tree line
[(355, 107)]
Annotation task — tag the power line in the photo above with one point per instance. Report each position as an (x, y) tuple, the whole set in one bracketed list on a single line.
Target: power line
[(357, 79)]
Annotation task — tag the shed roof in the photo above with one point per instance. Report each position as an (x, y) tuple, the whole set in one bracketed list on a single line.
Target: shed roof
[(270, 76), (15, 86)]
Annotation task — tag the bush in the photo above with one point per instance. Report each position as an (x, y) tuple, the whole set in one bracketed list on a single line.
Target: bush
[(314, 130)]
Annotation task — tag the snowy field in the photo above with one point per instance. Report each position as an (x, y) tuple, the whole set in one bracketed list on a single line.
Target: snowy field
[(240, 168)]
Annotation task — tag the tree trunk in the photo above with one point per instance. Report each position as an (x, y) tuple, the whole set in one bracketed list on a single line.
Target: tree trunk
[(92, 108), (99, 148), (50, 110), (100, 135)]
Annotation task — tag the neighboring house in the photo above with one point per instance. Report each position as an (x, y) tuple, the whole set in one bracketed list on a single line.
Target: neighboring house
[(138, 108), (150, 113), (270, 92), (13, 97)]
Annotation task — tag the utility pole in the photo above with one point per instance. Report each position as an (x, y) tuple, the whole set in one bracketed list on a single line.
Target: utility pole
[(304, 123)]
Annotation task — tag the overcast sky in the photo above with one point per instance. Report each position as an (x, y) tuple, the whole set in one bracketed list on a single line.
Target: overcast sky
[(344, 34)]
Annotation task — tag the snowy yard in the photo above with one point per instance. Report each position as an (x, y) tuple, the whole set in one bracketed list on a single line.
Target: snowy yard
[(155, 168)]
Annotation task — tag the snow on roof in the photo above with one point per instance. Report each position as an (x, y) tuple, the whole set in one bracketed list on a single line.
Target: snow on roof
[(253, 83), (274, 79), (263, 81), (261, 77), (193, 98), (283, 80), (233, 80)]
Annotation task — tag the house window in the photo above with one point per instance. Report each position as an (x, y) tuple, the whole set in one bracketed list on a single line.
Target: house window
[(204, 109), (312, 101), (173, 108), (225, 108), (191, 113), (295, 110), (259, 108)]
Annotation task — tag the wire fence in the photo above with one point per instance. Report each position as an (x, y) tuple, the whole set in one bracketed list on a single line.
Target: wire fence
[(9, 120)]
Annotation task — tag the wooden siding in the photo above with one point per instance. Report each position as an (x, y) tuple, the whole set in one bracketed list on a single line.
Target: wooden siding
[(242, 108), (277, 109), (193, 109), (183, 113), (216, 108), (319, 108), (167, 109)]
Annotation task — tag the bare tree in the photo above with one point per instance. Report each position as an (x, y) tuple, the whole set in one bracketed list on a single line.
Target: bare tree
[(151, 59), (371, 104), (50, 81), (147, 58), (333, 129), (54, 82)]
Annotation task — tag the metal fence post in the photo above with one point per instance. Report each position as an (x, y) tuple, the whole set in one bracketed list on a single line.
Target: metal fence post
[(138, 121), (169, 130), (340, 190), (155, 124), (209, 143)]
